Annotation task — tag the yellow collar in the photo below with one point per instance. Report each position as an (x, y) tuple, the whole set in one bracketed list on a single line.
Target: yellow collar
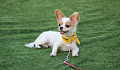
[(68, 39)]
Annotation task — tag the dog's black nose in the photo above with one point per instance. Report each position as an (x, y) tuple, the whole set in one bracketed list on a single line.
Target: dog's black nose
[(61, 28)]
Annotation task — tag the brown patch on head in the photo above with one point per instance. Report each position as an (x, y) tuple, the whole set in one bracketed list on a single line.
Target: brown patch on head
[(68, 24), (60, 23), (73, 25)]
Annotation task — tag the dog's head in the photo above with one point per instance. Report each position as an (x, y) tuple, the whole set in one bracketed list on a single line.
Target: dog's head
[(65, 24)]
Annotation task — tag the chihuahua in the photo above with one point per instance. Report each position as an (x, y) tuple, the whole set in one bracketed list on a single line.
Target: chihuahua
[(67, 27)]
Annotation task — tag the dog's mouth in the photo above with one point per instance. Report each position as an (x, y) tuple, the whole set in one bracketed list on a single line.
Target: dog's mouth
[(63, 32)]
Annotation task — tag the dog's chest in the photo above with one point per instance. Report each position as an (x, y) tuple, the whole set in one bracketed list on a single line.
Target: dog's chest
[(65, 47)]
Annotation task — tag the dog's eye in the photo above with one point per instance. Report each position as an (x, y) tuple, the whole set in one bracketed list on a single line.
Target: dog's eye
[(67, 26), (59, 24)]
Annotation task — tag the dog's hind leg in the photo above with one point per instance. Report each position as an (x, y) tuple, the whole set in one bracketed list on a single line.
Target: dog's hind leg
[(40, 41)]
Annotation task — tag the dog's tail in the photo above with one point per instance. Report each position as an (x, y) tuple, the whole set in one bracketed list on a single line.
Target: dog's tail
[(30, 45)]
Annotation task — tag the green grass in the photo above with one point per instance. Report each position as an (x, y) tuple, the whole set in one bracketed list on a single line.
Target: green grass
[(21, 21)]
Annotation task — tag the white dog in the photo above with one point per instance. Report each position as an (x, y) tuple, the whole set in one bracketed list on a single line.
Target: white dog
[(62, 39)]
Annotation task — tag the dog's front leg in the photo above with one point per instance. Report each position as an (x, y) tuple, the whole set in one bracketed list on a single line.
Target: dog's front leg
[(54, 50), (75, 51)]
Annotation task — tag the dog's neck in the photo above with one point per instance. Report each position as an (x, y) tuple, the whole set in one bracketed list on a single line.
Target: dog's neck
[(71, 32)]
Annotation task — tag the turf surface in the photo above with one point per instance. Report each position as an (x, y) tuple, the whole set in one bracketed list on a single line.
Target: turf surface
[(21, 21)]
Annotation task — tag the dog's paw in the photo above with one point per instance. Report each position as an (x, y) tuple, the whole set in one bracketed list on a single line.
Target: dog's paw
[(74, 55), (37, 47), (53, 54), (45, 46)]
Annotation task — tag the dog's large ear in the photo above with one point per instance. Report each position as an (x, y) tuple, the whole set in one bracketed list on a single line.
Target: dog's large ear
[(59, 15), (74, 18)]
